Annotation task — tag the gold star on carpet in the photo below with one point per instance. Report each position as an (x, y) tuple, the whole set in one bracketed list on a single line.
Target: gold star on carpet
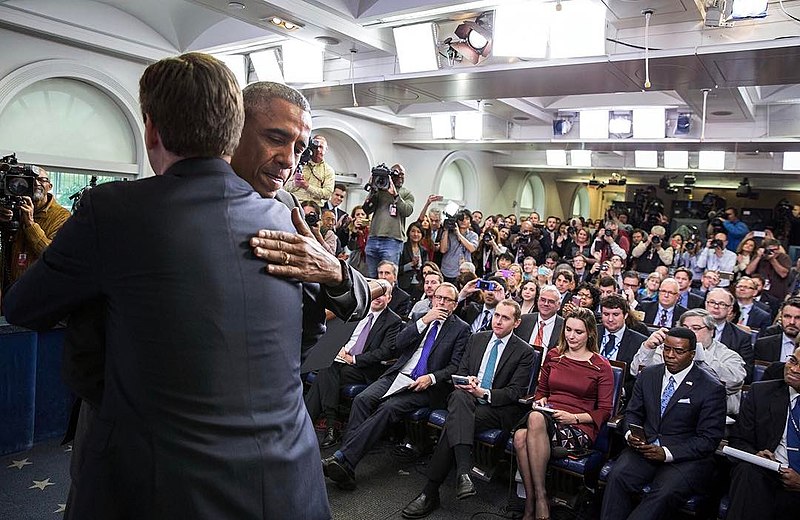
[(19, 463), (41, 484), (68, 448), (61, 508)]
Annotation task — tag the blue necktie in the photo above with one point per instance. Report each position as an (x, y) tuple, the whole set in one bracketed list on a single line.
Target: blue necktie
[(488, 374), (667, 395), (422, 365), (610, 346), (793, 436)]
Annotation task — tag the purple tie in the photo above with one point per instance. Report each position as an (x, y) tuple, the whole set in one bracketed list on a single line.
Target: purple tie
[(422, 364), (361, 342)]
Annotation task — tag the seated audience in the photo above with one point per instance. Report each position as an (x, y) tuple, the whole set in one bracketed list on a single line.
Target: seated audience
[(751, 312), (681, 408), (617, 341), (582, 272), (686, 299), (665, 311), (479, 315), (432, 280), (764, 297), (718, 304), (578, 384), (542, 328), (401, 301), (778, 347), (630, 285), (528, 295), (709, 281)]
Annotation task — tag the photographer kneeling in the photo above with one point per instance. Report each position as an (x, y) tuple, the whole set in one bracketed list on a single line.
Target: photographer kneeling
[(39, 219)]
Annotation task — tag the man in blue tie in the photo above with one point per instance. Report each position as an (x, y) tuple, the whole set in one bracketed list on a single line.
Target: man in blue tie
[(429, 350), (681, 408), (769, 426), (498, 365)]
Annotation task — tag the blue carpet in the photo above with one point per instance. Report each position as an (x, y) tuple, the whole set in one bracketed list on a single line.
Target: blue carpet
[(34, 483)]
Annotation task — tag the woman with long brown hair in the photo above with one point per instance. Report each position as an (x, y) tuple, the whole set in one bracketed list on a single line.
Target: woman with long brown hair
[(573, 400)]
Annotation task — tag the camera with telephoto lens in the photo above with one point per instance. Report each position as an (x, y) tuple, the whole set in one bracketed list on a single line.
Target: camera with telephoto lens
[(656, 240), (380, 180), (449, 222), (608, 232), (312, 219), (16, 181)]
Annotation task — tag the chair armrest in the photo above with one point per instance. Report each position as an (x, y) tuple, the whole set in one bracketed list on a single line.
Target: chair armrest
[(615, 421), (389, 362), (528, 399)]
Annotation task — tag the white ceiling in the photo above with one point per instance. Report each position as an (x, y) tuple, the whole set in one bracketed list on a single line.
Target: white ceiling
[(752, 69)]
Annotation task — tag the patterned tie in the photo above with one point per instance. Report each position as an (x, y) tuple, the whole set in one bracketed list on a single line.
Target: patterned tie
[(745, 314), (667, 395), (488, 374), (487, 318), (422, 365), (793, 436), (610, 346), (361, 342), (662, 322), (539, 335)]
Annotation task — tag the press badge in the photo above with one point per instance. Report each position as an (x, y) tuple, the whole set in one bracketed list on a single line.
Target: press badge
[(22, 260), (392, 210)]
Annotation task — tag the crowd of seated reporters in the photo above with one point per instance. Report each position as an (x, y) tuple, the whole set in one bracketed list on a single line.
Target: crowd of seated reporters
[(595, 268)]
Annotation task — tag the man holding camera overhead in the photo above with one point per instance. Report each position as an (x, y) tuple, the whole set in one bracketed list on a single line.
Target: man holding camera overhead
[(316, 180), (717, 257), (39, 219), (389, 203)]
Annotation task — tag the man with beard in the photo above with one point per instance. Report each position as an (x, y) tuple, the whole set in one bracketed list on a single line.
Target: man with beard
[(778, 347), (40, 218)]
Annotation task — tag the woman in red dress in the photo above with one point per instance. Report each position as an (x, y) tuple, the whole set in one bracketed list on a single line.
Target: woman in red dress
[(578, 385)]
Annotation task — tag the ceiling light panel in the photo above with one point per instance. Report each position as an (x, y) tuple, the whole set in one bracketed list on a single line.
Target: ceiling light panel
[(578, 29), (266, 66), (646, 158), (676, 159), (235, 62), (416, 47), (581, 158), (521, 31), (556, 157), (594, 124), (791, 160), (302, 62), (711, 160), (649, 123), (469, 125), (442, 126)]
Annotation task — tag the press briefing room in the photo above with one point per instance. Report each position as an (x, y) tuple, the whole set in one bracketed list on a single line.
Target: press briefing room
[(378, 259)]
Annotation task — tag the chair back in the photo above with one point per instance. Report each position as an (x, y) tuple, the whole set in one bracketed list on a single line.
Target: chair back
[(603, 441), (759, 367), (538, 353)]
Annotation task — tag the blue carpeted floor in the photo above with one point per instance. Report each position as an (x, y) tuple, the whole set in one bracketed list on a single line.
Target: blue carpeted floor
[(34, 484)]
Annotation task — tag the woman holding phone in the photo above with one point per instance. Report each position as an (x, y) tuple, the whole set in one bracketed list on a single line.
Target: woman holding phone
[(577, 384)]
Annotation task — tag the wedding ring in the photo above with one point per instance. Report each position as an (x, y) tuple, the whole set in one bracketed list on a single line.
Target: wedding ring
[(285, 258)]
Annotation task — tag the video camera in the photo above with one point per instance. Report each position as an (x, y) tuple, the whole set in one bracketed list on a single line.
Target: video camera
[(312, 148), (381, 179), (449, 222), (16, 181)]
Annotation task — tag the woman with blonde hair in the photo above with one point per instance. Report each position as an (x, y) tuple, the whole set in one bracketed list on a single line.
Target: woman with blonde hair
[(573, 400)]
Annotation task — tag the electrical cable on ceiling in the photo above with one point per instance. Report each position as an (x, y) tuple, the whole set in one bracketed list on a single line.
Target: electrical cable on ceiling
[(787, 14), (626, 44), (647, 14), (353, 52)]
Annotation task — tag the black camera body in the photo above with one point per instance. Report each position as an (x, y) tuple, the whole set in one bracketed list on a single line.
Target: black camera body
[(717, 244), (449, 222), (16, 181), (768, 253), (608, 232), (312, 148), (381, 179), (487, 238), (312, 219), (656, 240)]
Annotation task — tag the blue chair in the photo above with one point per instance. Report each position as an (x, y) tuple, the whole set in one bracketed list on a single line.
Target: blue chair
[(724, 504), (759, 367)]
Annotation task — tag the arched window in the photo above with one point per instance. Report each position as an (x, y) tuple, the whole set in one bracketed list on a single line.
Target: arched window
[(580, 203), (451, 186), (458, 180), (532, 197)]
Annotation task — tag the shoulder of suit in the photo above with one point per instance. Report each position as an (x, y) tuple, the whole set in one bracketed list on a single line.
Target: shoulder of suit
[(773, 385), (705, 376), (391, 315)]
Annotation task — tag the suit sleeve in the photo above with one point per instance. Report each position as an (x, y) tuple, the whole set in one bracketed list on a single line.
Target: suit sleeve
[(459, 345), (710, 426), (634, 413), (518, 384), (387, 348), (743, 432)]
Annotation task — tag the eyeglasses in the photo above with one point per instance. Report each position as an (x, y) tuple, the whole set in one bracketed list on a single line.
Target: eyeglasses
[(43, 180), (718, 304), (548, 301), (631, 285), (741, 286), (675, 350), (670, 293), (697, 328), (440, 298)]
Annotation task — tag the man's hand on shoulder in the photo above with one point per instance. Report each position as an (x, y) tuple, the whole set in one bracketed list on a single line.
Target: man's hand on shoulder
[(297, 255)]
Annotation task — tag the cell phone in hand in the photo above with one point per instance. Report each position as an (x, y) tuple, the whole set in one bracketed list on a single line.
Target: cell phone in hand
[(576, 301), (638, 432), (460, 380), (486, 285)]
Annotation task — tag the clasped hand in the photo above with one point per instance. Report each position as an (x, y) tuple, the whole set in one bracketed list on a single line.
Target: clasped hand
[(473, 388), (648, 451)]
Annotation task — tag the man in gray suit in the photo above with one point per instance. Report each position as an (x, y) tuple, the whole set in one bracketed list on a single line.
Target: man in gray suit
[(202, 408)]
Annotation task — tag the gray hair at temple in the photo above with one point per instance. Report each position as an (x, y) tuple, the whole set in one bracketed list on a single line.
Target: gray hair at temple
[(708, 320), (257, 94)]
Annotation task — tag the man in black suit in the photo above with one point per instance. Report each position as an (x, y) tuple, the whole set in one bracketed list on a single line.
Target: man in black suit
[(499, 366), (769, 426), (718, 304), (777, 347), (189, 318), (479, 316), (358, 362), (335, 204), (764, 297), (686, 299), (752, 314), (665, 312), (543, 328), (401, 301), (618, 342), (430, 350), (682, 410)]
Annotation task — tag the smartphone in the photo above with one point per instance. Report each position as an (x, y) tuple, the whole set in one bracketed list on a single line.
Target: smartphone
[(486, 285), (460, 380), (576, 301), (638, 432)]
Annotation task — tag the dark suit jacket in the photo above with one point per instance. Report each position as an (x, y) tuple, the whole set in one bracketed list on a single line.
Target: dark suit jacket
[(758, 318), (628, 347), (762, 417), (469, 311), (381, 344), (769, 348), (400, 302), (528, 323), (202, 349), (770, 301), (690, 430), (695, 301), (770, 331), (651, 313), (740, 342)]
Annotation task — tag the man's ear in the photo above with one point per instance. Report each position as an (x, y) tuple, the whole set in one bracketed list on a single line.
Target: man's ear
[(151, 137)]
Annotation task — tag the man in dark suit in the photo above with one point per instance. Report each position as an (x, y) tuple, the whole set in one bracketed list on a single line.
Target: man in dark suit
[(335, 204), (777, 347), (665, 312), (618, 342), (718, 304), (499, 366), (682, 410), (401, 300), (769, 426), (764, 297), (358, 362), (430, 350), (751, 313), (686, 299), (543, 328), (184, 429), (479, 316)]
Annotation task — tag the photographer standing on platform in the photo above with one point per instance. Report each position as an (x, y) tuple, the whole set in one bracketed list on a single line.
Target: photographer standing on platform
[(40, 217), (316, 180), (389, 204)]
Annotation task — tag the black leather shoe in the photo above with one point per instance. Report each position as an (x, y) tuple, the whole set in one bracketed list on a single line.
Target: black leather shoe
[(421, 506), (331, 438), (338, 472), (465, 488)]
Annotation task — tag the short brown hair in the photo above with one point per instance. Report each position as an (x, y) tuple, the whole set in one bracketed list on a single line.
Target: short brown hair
[(195, 103)]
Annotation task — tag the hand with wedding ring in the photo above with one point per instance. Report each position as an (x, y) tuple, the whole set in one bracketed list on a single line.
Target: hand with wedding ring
[(297, 255)]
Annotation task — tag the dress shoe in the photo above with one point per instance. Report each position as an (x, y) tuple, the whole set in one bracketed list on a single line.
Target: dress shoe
[(421, 506), (465, 487), (331, 438), (338, 472)]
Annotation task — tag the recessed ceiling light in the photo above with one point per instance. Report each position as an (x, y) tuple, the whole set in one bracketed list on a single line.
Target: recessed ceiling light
[(722, 113), (236, 5), (488, 104), (328, 40), (277, 21)]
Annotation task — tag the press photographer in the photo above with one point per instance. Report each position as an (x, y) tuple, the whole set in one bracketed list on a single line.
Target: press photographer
[(29, 216), (325, 235), (717, 257), (458, 243), (773, 264), (314, 179), (390, 204)]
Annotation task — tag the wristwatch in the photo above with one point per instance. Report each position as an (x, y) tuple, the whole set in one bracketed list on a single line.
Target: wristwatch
[(485, 396)]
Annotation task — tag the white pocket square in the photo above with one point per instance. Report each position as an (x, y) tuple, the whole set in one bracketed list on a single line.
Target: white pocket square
[(684, 401)]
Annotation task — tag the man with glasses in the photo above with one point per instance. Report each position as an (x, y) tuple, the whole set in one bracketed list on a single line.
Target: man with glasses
[(681, 409), (717, 257), (718, 305), (664, 312), (751, 313), (543, 328), (774, 266), (430, 350), (778, 347), (769, 426), (40, 218)]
